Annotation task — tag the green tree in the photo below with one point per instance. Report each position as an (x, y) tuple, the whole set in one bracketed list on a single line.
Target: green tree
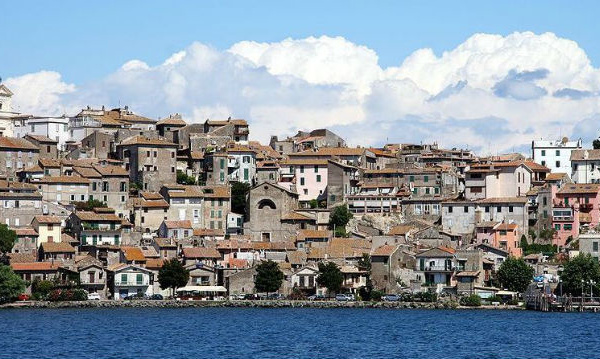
[(338, 219), (596, 144), (41, 288), (89, 205), (330, 277), (524, 243), (8, 237), (182, 178), (268, 277), (239, 191), (514, 274), (472, 300), (11, 285), (173, 275), (581, 268)]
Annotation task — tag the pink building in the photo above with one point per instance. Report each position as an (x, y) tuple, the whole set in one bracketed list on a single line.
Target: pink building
[(307, 176), (506, 238), (576, 206)]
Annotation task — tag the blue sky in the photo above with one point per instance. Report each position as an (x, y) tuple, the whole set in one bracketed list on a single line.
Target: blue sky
[(84, 40), (499, 73)]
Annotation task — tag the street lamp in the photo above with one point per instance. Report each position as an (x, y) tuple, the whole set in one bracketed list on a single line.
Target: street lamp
[(591, 287), (560, 285)]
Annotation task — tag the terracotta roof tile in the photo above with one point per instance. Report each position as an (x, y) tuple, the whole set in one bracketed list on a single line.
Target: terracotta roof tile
[(133, 254), (17, 144), (201, 252), (57, 247), (47, 219), (185, 224)]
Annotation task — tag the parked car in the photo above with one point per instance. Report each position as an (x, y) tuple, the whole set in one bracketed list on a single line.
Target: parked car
[(276, 296), (391, 298), (317, 297), (136, 297), (350, 297), (341, 298), (23, 296), (156, 297), (93, 296)]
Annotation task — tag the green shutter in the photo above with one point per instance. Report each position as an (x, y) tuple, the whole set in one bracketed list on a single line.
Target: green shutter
[(139, 278)]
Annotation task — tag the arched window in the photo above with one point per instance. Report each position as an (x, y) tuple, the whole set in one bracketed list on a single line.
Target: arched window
[(266, 203)]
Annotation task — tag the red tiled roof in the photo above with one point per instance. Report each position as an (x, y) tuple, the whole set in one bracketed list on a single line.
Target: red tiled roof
[(201, 252)]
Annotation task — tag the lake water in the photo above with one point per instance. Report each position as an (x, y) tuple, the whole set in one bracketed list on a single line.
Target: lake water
[(296, 333)]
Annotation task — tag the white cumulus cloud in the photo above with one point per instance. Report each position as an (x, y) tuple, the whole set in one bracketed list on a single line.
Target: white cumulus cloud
[(491, 93)]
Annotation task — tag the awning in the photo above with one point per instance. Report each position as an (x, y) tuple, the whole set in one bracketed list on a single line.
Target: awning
[(202, 288)]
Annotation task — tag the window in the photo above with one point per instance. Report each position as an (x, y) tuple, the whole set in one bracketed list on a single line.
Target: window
[(172, 169), (437, 190), (450, 209), (83, 197), (147, 153), (72, 197), (123, 187), (543, 152), (558, 152), (568, 227), (318, 178), (172, 154), (557, 227), (545, 201), (301, 169), (105, 186), (425, 178), (155, 152), (499, 209), (510, 209), (466, 209), (557, 163), (543, 163), (124, 278), (246, 174), (139, 278), (545, 214), (412, 178), (222, 163), (595, 247), (305, 192), (222, 176), (301, 181)]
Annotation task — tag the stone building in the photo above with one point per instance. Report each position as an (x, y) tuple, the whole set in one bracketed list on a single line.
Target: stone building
[(272, 213), (150, 162), (20, 202), (149, 211), (100, 143), (16, 154), (64, 188), (48, 147)]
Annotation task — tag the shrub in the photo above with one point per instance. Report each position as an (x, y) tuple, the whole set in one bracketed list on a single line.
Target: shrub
[(425, 297), (376, 295), (472, 300), (59, 295)]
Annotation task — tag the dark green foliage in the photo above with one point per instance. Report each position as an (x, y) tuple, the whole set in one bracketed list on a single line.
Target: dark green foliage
[(11, 284), (376, 295), (340, 216), (89, 205), (297, 294), (583, 267), (182, 178), (596, 144), (41, 288), (268, 277), (173, 275), (524, 243), (8, 237), (515, 275), (239, 192), (340, 232), (545, 249), (330, 277), (472, 300)]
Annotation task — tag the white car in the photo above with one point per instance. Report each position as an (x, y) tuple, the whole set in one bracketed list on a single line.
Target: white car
[(93, 296)]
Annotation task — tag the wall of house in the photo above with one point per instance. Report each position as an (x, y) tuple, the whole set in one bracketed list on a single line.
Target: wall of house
[(13, 216), (64, 192)]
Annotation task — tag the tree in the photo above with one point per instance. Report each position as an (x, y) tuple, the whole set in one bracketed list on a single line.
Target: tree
[(338, 219), (173, 275), (8, 237), (581, 268), (89, 205), (524, 243), (268, 277), (11, 285), (182, 178), (596, 144), (239, 191), (514, 274), (330, 277)]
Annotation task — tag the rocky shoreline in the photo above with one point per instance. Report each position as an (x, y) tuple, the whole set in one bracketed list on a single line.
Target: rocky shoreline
[(244, 304)]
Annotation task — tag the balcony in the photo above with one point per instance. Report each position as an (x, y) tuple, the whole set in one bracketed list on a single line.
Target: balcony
[(132, 283), (443, 268)]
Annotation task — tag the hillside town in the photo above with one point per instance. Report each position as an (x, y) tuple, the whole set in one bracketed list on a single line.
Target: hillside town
[(109, 196)]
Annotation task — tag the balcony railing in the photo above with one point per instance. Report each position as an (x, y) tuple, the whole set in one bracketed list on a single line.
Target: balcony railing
[(130, 283), (439, 268)]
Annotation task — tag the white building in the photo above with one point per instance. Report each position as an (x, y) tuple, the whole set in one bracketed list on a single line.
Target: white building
[(56, 128), (585, 166), (241, 162), (556, 155), (6, 112)]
